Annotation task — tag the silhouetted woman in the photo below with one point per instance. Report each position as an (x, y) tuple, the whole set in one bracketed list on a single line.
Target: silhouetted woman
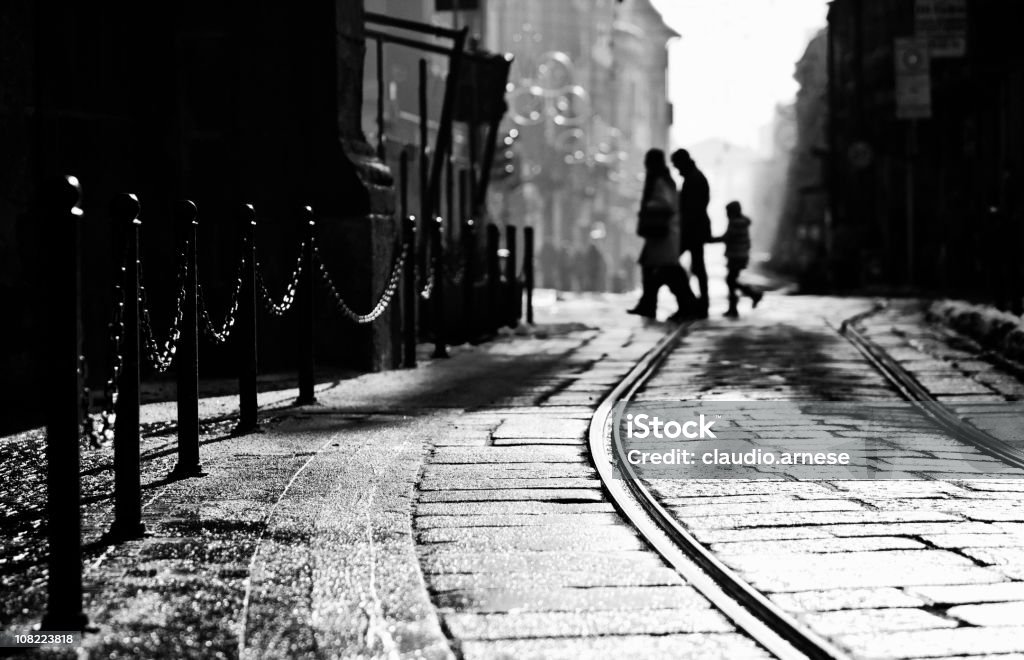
[(658, 224)]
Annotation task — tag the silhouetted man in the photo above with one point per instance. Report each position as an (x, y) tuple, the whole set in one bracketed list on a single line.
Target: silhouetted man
[(695, 227)]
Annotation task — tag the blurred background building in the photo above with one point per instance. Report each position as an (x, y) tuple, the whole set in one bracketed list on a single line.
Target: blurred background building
[(588, 97)]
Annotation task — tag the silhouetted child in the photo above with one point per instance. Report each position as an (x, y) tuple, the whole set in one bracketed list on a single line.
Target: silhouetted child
[(737, 256)]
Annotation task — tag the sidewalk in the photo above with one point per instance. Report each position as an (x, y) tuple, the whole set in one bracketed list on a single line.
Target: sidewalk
[(300, 539)]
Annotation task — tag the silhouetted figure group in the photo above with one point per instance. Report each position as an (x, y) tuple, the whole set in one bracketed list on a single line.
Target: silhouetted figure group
[(673, 225)]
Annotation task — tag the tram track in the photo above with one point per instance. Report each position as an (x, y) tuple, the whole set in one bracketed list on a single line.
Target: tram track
[(751, 611), (913, 391)]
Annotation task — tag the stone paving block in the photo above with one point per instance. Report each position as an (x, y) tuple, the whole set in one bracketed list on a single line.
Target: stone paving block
[(434, 485), (1004, 558), (723, 499), (570, 599), (832, 518), (550, 491), (990, 614), (887, 568), (536, 538), (827, 600), (572, 399), (537, 426), (995, 485), (719, 487), (478, 440), (509, 508), (988, 512), (952, 385), (953, 399), (760, 534), (956, 541), (445, 560), (899, 489), (821, 545), (879, 621), (523, 442), (508, 471), (934, 643), (970, 593), (527, 625), (793, 434), (915, 529), (663, 576), (665, 647), (569, 520), (560, 412), (459, 455), (758, 508)]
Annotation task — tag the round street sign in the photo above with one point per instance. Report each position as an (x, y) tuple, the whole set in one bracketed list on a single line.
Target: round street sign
[(860, 154)]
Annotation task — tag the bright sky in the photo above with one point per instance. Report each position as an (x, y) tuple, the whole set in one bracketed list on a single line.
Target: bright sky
[(734, 62)]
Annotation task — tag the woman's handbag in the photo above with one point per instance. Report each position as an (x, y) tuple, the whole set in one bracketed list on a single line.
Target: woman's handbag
[(654, 218)]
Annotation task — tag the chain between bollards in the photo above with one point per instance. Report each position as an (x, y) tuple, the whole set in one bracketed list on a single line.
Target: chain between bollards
[(246, 340), (63, 452), (306, 311), (127, 467), (187, 217)]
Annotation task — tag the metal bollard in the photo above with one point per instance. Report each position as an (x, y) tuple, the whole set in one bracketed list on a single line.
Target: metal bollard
[(449, 198), (408, 230), (64, 417), (381, 148), (514, 309), (424, 176), (127, 469), (493, 279), (437, 295), (469, 280), (528, 271), (306, 312), (246, 344), (409, 294), (188, 348)]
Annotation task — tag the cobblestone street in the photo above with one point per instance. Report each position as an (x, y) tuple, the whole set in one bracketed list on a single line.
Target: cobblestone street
[(446, 512), (919, 566)]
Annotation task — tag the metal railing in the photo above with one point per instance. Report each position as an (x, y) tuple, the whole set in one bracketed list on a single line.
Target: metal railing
[(485, 300)]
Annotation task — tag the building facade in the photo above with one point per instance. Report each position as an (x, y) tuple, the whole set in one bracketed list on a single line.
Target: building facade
[(225, 104), (934, 201)]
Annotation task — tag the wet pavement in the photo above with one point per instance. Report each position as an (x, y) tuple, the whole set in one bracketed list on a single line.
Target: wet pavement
[(919, 566), (453, 511)]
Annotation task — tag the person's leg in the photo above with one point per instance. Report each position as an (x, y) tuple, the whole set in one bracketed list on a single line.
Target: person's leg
[(700, 271), (732, 280), (678, 282), (745, 289), (649, 280)]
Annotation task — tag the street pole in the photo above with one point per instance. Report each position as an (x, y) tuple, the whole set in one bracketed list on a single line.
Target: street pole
[(64, 416), (911, 156)]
